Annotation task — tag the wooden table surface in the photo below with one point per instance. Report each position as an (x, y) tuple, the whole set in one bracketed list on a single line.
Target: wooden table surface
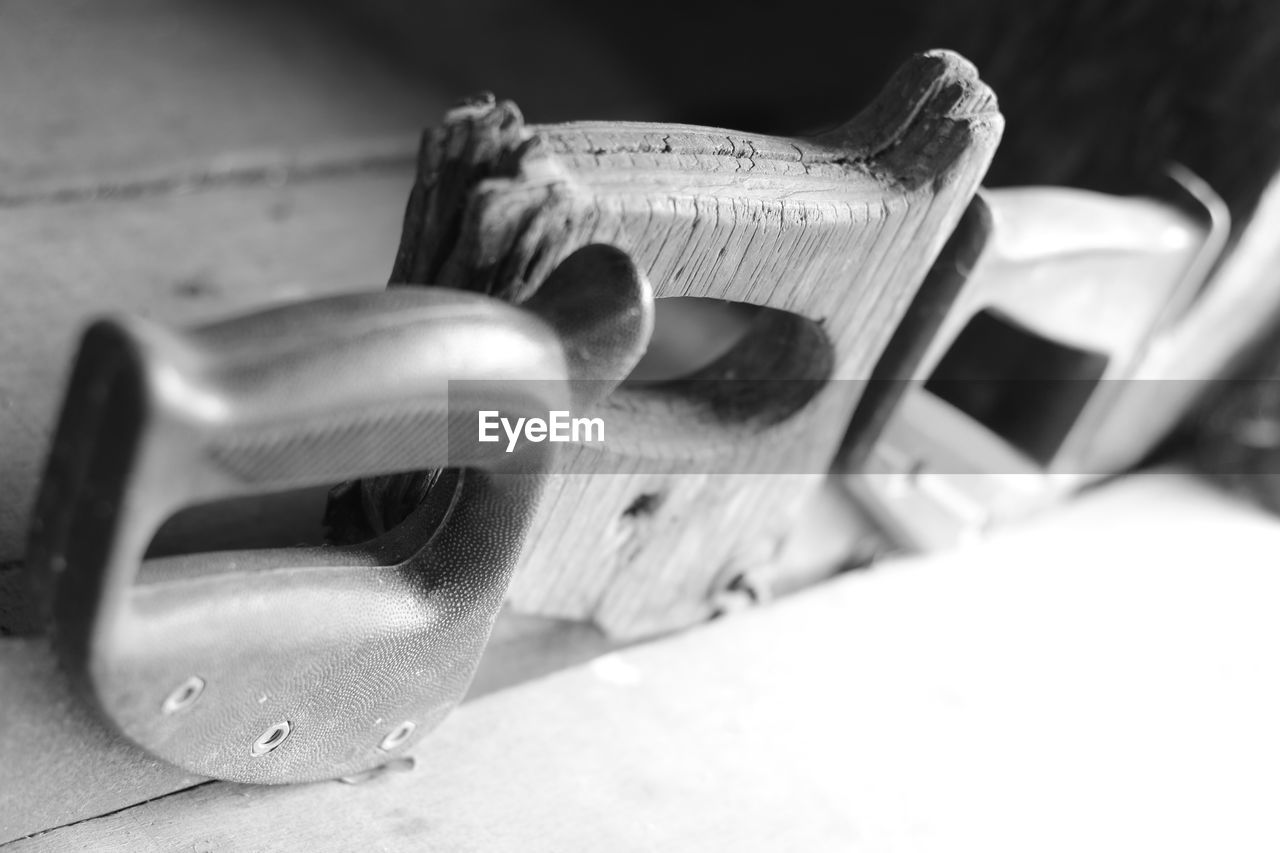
[(1103, 678)]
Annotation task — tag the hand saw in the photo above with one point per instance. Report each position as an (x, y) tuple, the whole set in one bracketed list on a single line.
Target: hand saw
[(525, 284), (527, 255)]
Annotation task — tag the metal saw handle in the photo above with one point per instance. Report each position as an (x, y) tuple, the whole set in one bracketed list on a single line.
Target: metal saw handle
[(289, 665)]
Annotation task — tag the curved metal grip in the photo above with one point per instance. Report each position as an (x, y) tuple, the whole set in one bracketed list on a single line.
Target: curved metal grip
[(295, 664)]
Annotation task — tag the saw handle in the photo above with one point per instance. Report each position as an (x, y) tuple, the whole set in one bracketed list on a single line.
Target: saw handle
[(298, 664)]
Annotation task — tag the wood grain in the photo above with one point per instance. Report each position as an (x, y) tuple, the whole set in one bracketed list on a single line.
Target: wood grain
[(839, 230), (1098, 679)]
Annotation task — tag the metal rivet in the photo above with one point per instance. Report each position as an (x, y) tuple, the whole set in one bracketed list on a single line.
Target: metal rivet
[(184, 695), (270, 739), (397, 736)]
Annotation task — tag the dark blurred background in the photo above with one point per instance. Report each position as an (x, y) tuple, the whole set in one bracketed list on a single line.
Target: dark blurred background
[(1097, 93)]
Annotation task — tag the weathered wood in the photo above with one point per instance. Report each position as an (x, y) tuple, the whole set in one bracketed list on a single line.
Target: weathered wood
[(1101, 678), (838, 230)]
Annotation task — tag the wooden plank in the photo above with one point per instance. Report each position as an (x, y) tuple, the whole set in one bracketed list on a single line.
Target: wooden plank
[(63, 764), (178, 258), (100, 92), (552, 59), (69, 767), (48, 733), (1102, 677)]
